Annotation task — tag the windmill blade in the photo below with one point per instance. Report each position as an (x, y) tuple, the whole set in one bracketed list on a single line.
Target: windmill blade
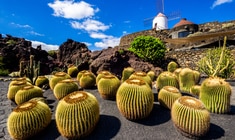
[(148, 21), (174, 15), (160, 6)]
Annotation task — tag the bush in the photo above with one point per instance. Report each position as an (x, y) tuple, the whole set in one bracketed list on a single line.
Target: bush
[(4, 72), (148, 48)]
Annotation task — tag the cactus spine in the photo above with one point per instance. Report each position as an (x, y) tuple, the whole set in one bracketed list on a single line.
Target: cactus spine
[(28, 119), (190, 117), (82, 108), (135, 99)]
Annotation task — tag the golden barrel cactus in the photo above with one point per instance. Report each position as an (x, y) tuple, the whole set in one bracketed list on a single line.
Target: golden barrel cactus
[(77, 114), (152, 75), (135, 99), (166, 78), (72, 70), (186, 79), (13, 88), (190, 117), (215, 94), (26, 93), (80, 73), (142, 75), (108, 86), (64, 87), (88, 80), (41, 81), (126, 73), (102, 74), (195, 90), (58, 76), (28, 119), (172, 66), (167, 96)]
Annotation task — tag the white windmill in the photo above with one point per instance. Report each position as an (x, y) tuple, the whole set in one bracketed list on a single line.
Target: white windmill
[(160, 22)]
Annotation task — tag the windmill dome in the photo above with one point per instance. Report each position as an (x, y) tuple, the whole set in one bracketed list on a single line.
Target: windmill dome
[(182, 22), (160, 22)]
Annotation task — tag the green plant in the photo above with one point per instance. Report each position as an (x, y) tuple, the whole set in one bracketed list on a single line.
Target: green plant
[(142, 75), (58, 76), (28, 119), (217, 62), (4, 72), (166, 78), (101, 74), (13, 88), (172, 66), (11, 42), (126, 73), (190, 117), (72, 70), (135, 99), (148, 48), (41, 81), (186, 79), (88, 80), (77, 114), (152, 75)]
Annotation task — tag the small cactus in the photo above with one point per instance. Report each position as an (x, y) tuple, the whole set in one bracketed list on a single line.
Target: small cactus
[(72, 70), (186, 79), (142, 75), (172, 66), (101, 74), (41, 81), (166, 78), (152, 75), (195, 90), (88, 80), (79, 75), (12, 90), (58, 76), (126, 73)]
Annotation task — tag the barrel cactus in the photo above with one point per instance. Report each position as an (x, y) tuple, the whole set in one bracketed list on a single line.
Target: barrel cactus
[(80, 73), (108, 86), (102, 74), (197, 76), (215, 94), (177, 72), (195, 90), (167, 96), (64, 87), (186, 79), (88, 80), (15, 80), (28, 119), (12, 90), (58, 76), (152, 75), (77, 114), (172, 66), (41, 81), (41, 99), (166, 78), (190, 117), (26, 93), (126, 73), (142, 75), (135, 99), (72, 70)]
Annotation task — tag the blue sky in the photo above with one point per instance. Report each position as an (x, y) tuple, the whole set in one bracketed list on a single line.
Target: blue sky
[(98, 23)]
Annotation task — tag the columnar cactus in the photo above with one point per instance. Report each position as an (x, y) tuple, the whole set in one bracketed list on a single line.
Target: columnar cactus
[(167, 96), (77, 114), (72, 70), (28, 119), (135, 99), (108, 86), (41, 81), (216, 94), (64, 87), (88, 80), (26, 93), (166, 78), (142, 75), (172, 66), (190, 117), (126, 73), (58, 76), (12, 90), (186, 79)]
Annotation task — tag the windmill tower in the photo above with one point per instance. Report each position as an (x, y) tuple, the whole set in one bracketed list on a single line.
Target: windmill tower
[(160, 22)]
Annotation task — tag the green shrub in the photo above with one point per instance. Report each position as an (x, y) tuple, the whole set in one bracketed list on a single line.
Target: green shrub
[(4, 72), (148, 48)]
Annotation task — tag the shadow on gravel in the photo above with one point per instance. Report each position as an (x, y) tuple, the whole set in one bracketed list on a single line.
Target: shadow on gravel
[(232, 110), (106, 129), (215, 132)]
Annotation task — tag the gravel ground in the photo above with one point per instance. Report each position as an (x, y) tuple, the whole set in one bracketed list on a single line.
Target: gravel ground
[(112, 125)]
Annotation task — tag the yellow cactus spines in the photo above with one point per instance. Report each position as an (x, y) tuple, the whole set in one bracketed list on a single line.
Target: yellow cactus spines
[(152, 75), (77, 114), (28, 119), (126, 73), (88, 80), (108, 86), (72, 70), (58, 76), (101, 74), (12, 90), (190, 117), (166, 78), (197, 76), (172, 66), (186, 79), (79, 75), (41, 81), (26, 93), (195, 90), (167, 96), (142, 75), (216, 95), (135, 99), (64, 87)]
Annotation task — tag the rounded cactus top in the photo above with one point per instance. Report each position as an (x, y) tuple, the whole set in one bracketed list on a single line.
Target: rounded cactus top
[(135, 81), (171, 89), (76, 96), (191, 102), (60, 74), (19, 83), (25, 106)]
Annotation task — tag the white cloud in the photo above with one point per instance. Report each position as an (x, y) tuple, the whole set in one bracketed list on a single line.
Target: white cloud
[(35, 33), (72, 10), (89, 25), (108, 42), (219, 2), (97, 35), (44, 46), (87, 43), (20, 26)]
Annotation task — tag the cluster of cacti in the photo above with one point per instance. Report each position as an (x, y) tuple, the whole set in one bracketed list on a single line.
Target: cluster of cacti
[(186, 79), (126, 73), (101, 74), (166, 78), (215, 94), (172, 66), (26, 93), (167, 96), (58, 76), (195, 90), (152, 75), (28, 119), (87, 80), (64, 87), (77, 114), (13, 88), (107, 86), (41, 81), (190, 117), (30, 69), (135, 99), (72, 70), (142, 75), (80, 73)]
